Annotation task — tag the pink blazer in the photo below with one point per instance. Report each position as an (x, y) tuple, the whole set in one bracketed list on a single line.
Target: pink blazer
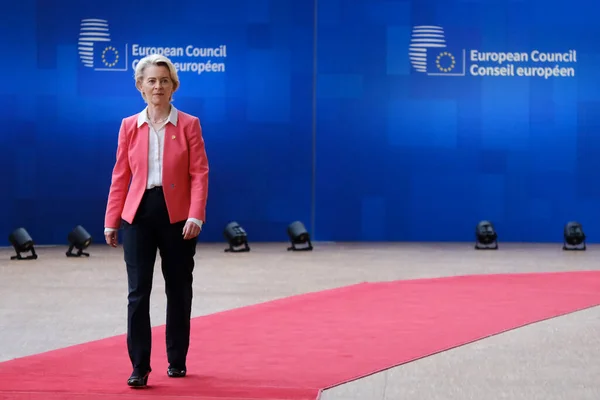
[(185, 171)]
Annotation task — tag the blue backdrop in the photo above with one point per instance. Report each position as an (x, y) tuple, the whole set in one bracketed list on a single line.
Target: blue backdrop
[(365, 119)]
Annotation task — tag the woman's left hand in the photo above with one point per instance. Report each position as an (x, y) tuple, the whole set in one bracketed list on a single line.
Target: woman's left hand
[(190, 230)]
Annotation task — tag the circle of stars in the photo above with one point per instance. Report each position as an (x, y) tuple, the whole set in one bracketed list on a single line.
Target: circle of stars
[(114, 56), (438, 62)]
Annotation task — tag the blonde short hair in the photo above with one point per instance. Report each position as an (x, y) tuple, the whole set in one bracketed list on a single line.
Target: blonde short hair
[(155, 59)]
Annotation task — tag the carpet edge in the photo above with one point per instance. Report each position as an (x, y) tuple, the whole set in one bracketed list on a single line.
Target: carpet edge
[(452, 347)]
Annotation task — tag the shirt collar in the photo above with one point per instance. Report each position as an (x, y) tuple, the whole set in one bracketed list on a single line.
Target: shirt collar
[(143, 117)]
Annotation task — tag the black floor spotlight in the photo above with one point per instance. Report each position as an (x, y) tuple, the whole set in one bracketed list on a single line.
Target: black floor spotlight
[(78, 239), (486, 237), (22, 243), (574, 237), (236, 237), (299, 236)]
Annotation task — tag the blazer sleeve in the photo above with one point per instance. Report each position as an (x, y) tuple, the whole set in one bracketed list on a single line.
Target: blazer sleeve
[(121, 177), (198, 165)]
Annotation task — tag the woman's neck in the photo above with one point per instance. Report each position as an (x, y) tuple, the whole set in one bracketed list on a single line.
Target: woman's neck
[(158, 113)]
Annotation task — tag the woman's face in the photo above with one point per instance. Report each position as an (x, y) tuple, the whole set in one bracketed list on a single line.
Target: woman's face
[(157, 85)]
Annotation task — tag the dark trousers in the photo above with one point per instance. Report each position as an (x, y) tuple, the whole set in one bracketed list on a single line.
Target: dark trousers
[(149, 232)]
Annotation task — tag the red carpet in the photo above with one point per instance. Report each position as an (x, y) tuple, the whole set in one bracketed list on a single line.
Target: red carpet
[(295, 347)]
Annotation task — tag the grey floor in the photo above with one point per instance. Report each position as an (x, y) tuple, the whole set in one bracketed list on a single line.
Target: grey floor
[(55, 302)]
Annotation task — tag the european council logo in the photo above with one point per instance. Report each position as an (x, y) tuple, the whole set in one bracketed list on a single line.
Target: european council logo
[(429, 53), (96, 50)]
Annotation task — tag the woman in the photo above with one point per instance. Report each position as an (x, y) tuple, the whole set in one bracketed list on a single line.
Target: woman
[(158, 193)]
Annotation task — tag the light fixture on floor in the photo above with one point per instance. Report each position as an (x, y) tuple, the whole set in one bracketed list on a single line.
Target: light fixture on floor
[(236, 237), (574, 237), (299, 236), (78, 239), (486, 237), (22, 243)]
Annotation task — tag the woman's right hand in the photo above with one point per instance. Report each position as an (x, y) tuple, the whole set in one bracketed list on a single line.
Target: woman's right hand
[(111, 238)]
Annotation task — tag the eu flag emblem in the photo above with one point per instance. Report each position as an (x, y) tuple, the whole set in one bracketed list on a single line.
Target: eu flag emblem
[(110, 57), (446, 61)]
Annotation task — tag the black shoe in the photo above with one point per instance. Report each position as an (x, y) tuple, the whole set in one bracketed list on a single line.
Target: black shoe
[(176, 372), (138, 380)]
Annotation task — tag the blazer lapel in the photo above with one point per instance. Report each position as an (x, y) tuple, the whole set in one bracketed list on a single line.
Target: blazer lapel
[(144, 146), (170, 141)]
